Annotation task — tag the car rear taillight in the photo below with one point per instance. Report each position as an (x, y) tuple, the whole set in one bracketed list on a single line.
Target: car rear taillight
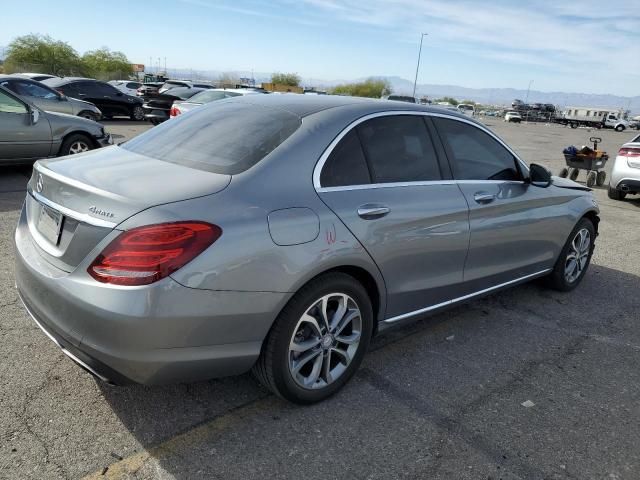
[(174, 112), (144, 255), (629, 152)]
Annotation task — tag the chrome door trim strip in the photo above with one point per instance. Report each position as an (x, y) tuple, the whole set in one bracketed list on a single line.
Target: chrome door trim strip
[(368, 186), (465, 297), (81, 217), (416, 184), (327, 152)]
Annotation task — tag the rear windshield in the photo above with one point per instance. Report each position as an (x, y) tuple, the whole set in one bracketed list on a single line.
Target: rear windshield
[(227, 138)]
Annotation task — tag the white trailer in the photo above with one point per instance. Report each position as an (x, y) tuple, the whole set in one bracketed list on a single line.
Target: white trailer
[(597, 117)]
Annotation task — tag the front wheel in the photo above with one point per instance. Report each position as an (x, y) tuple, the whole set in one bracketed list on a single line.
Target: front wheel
[(564, 173), (573, 174), (591, 179), (575, 257), (76, 143), (137, 113), (601, 178), (318, 341), (620, 128)]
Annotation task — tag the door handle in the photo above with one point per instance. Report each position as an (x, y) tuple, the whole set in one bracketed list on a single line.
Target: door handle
[(371, 211), (82, 94), (484, 197)]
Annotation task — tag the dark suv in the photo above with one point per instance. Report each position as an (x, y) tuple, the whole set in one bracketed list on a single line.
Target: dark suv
[(111, 101)]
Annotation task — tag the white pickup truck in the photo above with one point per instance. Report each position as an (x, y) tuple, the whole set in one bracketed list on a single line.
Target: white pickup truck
[(596, 117)]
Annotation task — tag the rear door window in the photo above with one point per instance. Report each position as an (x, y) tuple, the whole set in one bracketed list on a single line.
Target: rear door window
[(346, 165), (399, 149), (227, 139), (475, 154)]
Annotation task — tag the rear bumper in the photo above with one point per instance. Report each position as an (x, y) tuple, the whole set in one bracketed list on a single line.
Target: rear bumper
[(161, 333), (624, 177)]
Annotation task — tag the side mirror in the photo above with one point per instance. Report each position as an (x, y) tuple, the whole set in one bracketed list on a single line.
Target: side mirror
[(539, 176), (35, 115), (62, 97)]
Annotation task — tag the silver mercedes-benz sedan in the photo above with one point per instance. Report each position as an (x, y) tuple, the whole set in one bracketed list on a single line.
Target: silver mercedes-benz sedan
[(279, 233)]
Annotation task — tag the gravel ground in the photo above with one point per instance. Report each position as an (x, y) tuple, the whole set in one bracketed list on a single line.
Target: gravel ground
[(524, 384)]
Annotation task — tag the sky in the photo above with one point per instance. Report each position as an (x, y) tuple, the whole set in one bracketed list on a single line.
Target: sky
[(587, 46)]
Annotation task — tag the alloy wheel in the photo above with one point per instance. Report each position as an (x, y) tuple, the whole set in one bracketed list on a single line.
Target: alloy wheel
[(324, 341), (78, 147), (577, 256)]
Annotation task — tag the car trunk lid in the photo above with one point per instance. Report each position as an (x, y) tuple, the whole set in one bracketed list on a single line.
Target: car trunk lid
[(74, 202)]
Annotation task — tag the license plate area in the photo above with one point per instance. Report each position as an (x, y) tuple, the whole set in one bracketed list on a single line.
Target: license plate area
[(50, 224)]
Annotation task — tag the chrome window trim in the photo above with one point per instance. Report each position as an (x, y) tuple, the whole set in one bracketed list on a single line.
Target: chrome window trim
[(327, 152), (81, 217), (464, 297)]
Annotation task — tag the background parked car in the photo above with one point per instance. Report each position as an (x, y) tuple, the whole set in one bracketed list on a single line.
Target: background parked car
[(512, 116), (111, 101), (208, 96), (157, 107), (35, 76), (169, 84), (126, 86), (149, 89), (400, 98), (625, 176), (46, 98), (28, 133)]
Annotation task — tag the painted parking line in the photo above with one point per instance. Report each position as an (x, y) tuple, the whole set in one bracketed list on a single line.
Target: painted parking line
[(204, 432)]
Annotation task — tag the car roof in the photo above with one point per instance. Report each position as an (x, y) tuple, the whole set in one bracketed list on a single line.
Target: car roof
[(64, 80), (304, 105)]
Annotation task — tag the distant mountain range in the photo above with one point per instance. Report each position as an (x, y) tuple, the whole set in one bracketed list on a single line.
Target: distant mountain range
[(493, 96), (504, 96)]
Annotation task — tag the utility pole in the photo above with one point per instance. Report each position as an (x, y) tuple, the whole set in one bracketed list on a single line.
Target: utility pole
[(415, 81)]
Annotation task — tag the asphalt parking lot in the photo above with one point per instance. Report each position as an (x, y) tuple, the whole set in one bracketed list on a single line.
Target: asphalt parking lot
[(524, 384)]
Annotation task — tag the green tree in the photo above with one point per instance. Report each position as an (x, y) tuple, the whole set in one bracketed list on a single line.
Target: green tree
[(104, 64), (371, 87), (41, 53), (290, 79)]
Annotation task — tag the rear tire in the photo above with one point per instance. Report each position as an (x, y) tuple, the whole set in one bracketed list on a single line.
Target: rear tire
[(137, 113), (564, 173), (575, 257), (615, 194), (76, 143), (573, 174), (303, 359)]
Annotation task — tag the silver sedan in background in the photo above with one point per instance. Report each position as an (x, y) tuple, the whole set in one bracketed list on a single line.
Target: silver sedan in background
[(208, 96), (279, 233)]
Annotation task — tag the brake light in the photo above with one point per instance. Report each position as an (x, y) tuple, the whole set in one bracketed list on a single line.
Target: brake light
[(144, 255), (174, 112), (629, 152)]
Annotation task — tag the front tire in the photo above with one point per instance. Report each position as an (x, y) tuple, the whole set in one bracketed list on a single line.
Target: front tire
[(615, 194), (318, 341), (137, 113), (620, 128), (575, 257), (76, 143), (564, 173), (573, 174)]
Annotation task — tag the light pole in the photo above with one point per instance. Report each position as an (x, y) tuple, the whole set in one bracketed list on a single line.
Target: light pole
[(415, 81)]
